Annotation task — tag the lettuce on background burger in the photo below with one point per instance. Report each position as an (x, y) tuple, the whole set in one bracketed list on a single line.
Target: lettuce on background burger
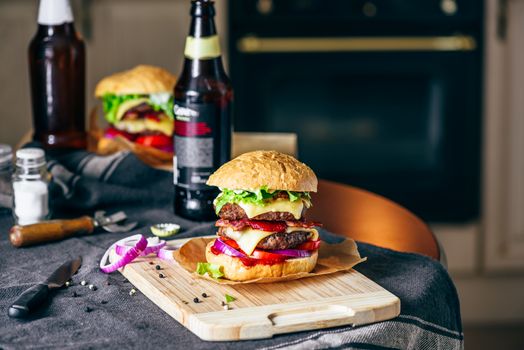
[(138, 104), (262, 230)]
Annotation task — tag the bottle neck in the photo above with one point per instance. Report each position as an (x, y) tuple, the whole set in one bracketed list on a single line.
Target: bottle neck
[(67, 29), (31, 173), (202, 42), (54, 12)]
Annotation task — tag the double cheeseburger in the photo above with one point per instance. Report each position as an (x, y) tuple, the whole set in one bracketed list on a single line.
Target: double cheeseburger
[(138, 104), (262, 231)]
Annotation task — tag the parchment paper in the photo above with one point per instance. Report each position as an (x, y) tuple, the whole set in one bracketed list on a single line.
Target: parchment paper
[(331, 258)]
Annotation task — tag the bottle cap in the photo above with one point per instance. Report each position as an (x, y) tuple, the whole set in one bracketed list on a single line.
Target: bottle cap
[(54, 12), (30, 157), (6, 155)]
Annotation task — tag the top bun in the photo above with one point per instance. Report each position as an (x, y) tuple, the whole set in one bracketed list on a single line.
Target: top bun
[(253, 170), (142, 79)]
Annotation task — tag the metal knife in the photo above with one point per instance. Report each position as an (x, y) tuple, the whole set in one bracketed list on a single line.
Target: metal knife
[(36, 295), (54, 230)]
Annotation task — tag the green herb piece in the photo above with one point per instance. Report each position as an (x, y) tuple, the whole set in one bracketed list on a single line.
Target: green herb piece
[(230, 298), (213, 270), (258, 197)]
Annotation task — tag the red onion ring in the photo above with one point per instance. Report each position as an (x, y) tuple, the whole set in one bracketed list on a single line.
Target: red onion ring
[(226, 249), (296, 253), (130, 255), (153, 246), (166, 252)]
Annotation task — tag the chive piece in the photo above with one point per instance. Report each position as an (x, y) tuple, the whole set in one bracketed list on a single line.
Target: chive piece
[(230, 298)]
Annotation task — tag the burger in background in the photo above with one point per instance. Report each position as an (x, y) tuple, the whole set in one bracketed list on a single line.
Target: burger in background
[(138, 105)]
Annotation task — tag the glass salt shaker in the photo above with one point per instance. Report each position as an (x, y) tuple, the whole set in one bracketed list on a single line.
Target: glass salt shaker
[(31, 187), (6, 173)]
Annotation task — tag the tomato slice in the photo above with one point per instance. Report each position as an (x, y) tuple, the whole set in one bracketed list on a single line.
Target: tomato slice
[(310, 245), (112, 132), (232, 243), (265, 255), (159, 140)]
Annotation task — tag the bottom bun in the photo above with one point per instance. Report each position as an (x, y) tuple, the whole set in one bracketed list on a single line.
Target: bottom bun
[(235, 270)]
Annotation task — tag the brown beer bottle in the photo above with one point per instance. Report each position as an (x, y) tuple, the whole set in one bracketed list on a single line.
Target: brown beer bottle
[(57, 73), (203, 107)]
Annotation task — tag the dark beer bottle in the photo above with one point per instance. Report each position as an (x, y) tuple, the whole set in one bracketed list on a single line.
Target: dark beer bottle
[(203, 106), (57, 73)]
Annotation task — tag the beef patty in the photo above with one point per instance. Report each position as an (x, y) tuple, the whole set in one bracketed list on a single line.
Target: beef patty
[(277, 240), (231, 211)]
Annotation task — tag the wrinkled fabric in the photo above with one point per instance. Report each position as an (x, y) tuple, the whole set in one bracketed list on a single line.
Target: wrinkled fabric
[(110, 318)]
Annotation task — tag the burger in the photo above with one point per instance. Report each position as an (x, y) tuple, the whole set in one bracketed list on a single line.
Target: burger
[(262, 230), (138, 105)]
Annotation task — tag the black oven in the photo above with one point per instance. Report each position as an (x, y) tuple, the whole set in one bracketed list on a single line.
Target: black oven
[(384, 95)]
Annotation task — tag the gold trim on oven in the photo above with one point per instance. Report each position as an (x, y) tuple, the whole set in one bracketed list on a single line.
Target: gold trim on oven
[(254, 44)]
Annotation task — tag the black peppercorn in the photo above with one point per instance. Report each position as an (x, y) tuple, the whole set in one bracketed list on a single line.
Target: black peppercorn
[(161, 275), (158, 267), (151, 263), (204, 295), (196, 300)]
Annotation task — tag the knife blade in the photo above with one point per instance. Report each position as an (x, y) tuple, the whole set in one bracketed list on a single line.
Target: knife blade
[(29, 300)]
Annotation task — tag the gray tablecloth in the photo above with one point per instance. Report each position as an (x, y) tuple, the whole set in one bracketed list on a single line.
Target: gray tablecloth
[(110, 318)]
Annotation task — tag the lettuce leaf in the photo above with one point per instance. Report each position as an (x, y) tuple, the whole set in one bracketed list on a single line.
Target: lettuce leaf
[(213, 270), (164, 102), (159, 102), (258, 197)]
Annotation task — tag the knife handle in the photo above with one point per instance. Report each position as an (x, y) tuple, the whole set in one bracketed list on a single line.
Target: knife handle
[(28, 301), (47, 231)]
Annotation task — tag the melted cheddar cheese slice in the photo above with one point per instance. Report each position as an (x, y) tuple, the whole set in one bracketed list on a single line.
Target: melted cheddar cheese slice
[(249, 238), (279, 205)]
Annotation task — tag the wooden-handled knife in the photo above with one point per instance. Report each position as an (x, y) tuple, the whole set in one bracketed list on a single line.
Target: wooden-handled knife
[(53, 230)]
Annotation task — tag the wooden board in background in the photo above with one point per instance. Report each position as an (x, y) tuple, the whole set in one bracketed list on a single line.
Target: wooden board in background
[(261, 310)]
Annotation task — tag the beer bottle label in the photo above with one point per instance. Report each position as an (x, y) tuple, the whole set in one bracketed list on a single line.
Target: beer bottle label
[(204, 48), (196, 151)]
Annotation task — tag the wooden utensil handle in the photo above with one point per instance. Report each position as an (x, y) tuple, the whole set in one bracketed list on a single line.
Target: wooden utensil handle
[(53, 230)]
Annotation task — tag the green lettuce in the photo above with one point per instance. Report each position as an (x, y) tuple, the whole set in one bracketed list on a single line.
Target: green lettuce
[(213, 270), (159, 102), (258, 197)]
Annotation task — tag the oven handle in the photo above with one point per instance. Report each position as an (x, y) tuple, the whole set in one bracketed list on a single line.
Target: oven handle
[(254, 44)]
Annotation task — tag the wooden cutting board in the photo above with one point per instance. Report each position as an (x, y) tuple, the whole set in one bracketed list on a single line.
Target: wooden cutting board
[(261, 310)]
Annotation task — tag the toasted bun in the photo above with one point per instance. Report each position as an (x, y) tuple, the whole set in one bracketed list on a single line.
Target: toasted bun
[(142, 79), (235, 270), (253, 170)]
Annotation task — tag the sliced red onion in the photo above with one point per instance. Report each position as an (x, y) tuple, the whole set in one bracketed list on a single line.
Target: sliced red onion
[(130, 255), (166, 252), (296, 253), (154, 244), (226, 249)]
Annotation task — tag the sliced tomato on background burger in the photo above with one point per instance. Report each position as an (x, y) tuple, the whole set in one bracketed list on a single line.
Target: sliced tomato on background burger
[(157, 141), (113, 132)]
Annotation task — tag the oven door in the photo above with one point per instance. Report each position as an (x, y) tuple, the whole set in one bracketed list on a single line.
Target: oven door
[(400, 122)]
